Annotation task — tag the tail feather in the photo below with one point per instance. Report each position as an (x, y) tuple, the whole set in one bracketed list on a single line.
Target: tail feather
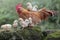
[(44, 10)]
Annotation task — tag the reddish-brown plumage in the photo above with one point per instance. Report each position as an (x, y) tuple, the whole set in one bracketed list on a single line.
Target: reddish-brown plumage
[(36, 16), (18, 7)]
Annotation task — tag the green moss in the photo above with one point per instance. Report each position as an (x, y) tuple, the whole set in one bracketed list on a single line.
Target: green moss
[(53, 35), (27, 34)]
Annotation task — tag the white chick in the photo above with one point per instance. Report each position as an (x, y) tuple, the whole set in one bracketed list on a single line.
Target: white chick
[(20, 19), (23, 23), (27, 21), (6, 26), (15, 23), (29, 6), (35, 8), (30, 20)]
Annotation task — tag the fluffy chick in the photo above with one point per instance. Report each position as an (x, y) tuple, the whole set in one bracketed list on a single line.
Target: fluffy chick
[(29, 6), (23, 23), (35, 8), (15, 23), (6, 26)]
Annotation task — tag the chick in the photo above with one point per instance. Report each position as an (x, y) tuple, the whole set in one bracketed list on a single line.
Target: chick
[(35, 8), (29, 6), (15, 23), (27, 21), (30, 22), (6, 27), (23, 23)]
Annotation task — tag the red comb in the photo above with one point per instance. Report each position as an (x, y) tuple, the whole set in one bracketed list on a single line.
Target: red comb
[(18, 5)]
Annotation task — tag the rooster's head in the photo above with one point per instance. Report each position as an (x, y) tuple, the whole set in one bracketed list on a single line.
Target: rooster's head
[(18, 6)]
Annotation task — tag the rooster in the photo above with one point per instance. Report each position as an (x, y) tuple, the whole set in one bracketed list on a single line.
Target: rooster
[(37, 16)]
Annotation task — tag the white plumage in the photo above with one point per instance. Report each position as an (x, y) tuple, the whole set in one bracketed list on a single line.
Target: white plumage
[(35, 8), (23, 23), (6, 26), (26, 22), (20, 19), (29, 6), (30, 20), (15, 23)]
